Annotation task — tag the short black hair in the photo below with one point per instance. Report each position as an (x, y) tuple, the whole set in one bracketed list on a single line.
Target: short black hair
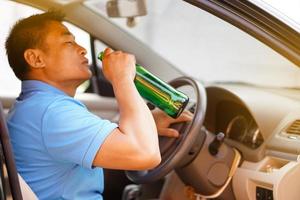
[(28, 33)]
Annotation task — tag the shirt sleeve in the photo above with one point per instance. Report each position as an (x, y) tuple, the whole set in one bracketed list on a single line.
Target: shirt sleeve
[(73, 134)]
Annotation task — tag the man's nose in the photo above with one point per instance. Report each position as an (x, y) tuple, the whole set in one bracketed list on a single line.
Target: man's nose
[(82, 50)]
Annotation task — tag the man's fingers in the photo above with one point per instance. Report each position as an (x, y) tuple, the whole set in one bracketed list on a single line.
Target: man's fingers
[(185, 116), (188, 113), (168, 132)]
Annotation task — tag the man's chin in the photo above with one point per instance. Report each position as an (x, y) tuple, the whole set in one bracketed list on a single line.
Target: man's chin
[(87, 75), (84, 79)]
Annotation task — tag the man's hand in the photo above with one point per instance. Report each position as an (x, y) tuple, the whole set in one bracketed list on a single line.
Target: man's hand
[(118, 65), (163, 121)]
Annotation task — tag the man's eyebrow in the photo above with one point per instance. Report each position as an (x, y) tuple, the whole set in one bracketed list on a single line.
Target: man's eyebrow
[(67, 33)]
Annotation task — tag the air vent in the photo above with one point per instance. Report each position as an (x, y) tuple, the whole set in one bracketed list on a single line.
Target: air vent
[(294, 128)]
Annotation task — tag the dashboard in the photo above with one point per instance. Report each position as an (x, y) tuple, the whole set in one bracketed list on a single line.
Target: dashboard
[(254, 120), (264, 126)]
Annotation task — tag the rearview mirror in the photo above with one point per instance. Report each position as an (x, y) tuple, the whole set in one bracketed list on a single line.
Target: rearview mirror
[(126, 8)]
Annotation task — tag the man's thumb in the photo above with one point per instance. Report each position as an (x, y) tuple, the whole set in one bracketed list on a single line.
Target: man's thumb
[(168, 132), (107, 51)]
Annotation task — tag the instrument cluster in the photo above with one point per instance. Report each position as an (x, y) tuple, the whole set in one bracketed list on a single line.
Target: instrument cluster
[(237, 123)]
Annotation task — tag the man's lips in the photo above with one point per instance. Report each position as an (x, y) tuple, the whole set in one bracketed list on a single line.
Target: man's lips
[(85, 62)]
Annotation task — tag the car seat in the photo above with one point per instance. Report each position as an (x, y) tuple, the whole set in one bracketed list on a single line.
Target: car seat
[(17, 186)]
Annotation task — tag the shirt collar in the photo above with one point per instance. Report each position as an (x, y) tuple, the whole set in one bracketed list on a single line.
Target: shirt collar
[(29, 86)]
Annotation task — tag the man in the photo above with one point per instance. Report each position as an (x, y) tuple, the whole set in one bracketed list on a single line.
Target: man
[(60, 147)]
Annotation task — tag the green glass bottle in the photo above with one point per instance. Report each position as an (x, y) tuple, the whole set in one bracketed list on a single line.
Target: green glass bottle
[(157, 92)]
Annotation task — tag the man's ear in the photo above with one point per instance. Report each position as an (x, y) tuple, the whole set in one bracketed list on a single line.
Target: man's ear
[(34, 57)]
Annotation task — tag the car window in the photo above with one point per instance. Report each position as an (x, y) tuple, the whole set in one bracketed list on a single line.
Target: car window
[(9, 84)]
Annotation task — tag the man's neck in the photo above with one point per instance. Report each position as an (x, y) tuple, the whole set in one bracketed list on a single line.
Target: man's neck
[(68, 88)]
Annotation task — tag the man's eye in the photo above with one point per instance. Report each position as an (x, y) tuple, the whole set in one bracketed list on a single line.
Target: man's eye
[(70, 42)]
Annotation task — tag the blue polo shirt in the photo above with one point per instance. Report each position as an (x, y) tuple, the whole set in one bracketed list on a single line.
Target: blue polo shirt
[(55, 140)]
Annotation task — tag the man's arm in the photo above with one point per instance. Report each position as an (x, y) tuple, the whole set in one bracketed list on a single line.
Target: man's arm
[(134, 145)]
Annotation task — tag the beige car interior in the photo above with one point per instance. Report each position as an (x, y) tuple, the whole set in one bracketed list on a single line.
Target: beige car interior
[(263, 159)]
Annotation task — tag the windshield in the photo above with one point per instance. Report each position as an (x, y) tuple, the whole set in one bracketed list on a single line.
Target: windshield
[(206, 47)]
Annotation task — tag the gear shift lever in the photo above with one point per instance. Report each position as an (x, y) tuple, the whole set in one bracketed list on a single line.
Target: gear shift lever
[(214, 146)]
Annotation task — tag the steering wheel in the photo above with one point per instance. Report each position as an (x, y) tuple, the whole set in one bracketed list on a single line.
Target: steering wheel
[(173, 150)]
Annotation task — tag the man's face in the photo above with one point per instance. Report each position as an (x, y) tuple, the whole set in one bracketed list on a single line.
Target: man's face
[(65, 60)]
